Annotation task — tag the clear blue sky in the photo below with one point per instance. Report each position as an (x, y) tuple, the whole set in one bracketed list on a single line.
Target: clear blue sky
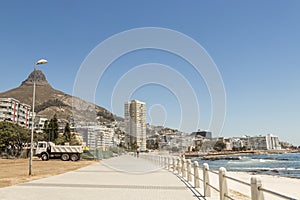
[(255, 45)]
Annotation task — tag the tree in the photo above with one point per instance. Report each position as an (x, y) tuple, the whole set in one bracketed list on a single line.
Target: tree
[(46, 129), (219, 146), (53, 128), (67, 132), (74, 140), (12, 137), (60, 140)]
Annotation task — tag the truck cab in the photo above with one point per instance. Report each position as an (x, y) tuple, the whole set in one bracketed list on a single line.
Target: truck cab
[(41, 147)]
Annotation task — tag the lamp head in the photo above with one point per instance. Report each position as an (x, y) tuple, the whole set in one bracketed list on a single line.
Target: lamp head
[(42, 61)]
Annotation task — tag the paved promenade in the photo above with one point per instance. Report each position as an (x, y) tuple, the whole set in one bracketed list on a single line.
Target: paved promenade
[(124, 177)]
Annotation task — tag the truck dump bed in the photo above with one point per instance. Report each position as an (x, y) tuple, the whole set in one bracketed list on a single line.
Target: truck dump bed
[(65, 149)]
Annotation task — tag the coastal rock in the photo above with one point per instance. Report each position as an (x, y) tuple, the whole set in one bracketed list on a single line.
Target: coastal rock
[(219, 158)]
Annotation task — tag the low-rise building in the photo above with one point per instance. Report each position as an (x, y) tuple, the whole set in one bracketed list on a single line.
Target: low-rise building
[(39, 123), (97, 136)]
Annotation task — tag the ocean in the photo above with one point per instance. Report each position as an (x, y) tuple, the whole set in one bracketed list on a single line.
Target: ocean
[(287, 164)]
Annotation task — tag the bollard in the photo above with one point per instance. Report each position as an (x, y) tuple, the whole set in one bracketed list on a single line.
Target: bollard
[(223, 183), (179, 166), (207, 191), (183, 168), (196, 175), (189, 175), (256, 194), (168, 163)]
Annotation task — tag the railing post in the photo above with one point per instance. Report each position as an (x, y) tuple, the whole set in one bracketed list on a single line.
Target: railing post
[(169, 163), (256, 194), (223, 184), (183, 168), (207, 191), (196, 175), (189, 175), (166, 162), (160, 161), (174, 164), (179, 166)]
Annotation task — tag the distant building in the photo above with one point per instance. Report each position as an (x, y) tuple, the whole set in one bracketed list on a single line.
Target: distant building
[(204, 134), (260, 142), (97, 136), (13, 111), (39, 123), (236, 143), (135, 119)]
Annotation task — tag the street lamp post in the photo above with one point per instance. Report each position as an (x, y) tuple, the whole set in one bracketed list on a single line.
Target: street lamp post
[(40, 62)]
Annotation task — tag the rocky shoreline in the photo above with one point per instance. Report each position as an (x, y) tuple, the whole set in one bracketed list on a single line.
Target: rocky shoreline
[(225, 155)]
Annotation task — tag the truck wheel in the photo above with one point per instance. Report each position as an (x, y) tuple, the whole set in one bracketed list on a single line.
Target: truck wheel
[(45, 156), (74, 157), (65, 157)]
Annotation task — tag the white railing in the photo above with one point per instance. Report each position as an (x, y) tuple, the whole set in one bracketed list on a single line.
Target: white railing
[(189, 172)]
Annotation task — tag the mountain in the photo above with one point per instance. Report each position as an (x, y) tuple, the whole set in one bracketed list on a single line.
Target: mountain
[(49, 101)]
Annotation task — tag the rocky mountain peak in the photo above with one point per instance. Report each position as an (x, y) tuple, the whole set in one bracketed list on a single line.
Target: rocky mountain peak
[(39, 76), (50, 101)]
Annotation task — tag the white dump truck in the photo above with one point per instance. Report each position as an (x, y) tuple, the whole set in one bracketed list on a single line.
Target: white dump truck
[(47, 150)]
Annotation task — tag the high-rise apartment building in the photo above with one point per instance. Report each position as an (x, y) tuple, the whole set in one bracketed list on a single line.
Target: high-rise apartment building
[(135, 119), (13, 111)]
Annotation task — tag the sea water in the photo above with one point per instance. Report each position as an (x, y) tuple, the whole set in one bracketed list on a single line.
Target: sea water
[(287, 164)]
